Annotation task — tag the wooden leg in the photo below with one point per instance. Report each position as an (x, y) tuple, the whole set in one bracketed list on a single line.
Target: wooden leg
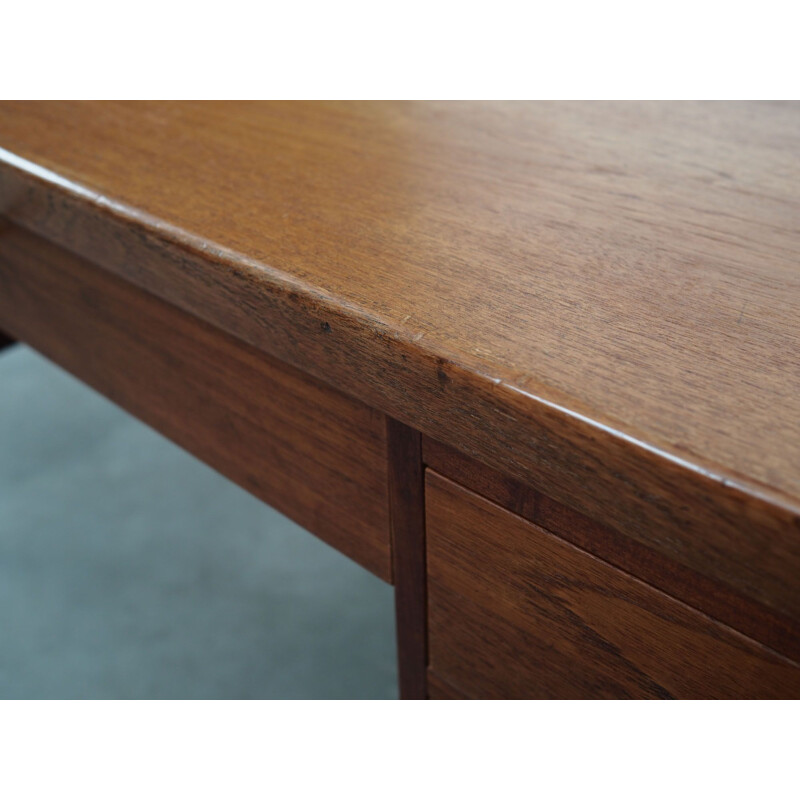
[(407, 505)]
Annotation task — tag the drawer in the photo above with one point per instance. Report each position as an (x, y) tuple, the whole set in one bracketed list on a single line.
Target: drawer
[(516, 612), (313, 453)]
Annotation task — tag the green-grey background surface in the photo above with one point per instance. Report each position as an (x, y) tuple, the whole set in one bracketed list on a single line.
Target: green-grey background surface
[(128, 569)]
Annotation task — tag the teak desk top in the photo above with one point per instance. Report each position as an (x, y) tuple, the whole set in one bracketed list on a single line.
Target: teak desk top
[(601, 299)]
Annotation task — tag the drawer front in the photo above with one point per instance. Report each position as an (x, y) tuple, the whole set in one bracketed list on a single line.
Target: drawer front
[(516, 612), (314, 454)]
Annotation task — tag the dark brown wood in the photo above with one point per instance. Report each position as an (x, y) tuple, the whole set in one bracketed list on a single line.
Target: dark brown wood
[(5, 340), (753, 619), (597, 299), (516, 612), (502, 489), (407, 504), (314, 454), (440, 689)]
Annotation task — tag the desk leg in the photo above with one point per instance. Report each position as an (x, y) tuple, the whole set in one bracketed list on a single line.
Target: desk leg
[(407, 508)]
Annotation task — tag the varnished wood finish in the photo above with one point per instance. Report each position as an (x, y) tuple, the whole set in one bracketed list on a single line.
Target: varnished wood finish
[(517, 612), (597, 299), (502, 489), (314, 454), (439, 689), (718, 601), (407, 504)]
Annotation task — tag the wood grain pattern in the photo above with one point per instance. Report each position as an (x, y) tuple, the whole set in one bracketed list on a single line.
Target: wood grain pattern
[(440, 689), (720, 602), (597, 299), (515, 612), (407, 514), (314, 454)]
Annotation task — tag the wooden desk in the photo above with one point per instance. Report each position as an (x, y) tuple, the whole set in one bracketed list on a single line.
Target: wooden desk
[(538, 365)]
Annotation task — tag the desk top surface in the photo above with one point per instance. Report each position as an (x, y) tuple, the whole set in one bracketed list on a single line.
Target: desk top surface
[(632, 265)]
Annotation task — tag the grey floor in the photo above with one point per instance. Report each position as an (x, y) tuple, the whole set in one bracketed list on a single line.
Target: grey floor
[(128, 569)]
